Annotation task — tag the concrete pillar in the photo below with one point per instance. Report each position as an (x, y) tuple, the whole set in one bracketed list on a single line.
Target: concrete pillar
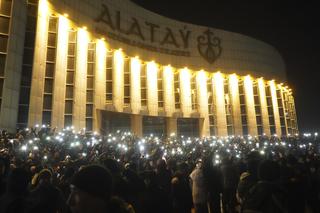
[(11, 86), (168, 89), (135, 85), (185, 92), (273, 92), (136, 125), (284, 111), (202, 94), (235, 103), (171, 126), (219, 102), (250, 107), (118, 80), (59, 83), (99, 83), (264, 107), (39, 65), (80, 82), (152, 88)]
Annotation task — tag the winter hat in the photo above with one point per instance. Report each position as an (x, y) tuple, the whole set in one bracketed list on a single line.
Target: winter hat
[(94, 180)]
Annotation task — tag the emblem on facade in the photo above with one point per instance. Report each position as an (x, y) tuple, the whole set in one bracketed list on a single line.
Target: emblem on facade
[(209, 46)]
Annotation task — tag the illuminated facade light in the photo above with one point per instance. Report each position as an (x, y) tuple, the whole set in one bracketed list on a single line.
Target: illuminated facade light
[(82, 78)]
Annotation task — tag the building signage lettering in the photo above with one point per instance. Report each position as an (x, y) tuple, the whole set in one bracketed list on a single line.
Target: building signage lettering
[(169, 38)]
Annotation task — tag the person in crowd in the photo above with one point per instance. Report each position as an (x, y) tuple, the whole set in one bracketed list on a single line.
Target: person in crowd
[(230, 176), (213, 180), (250, 177), (15, 198), (46, 197), (151, 174), (199, 190), (91, 191), (181, 191), (267, 195)]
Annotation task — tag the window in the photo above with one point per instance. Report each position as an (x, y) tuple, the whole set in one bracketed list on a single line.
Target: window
[(143, 81), (109, 70), (177, 90), (4, 25), (126, 81), (5, 7), (71, 60), (160, 88), (68, 107), (3, 43)]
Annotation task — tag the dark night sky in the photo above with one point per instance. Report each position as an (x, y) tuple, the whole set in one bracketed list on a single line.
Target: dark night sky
[(291, 27)]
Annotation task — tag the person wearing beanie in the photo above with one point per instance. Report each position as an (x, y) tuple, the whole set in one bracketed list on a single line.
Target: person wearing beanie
[(91, 190)]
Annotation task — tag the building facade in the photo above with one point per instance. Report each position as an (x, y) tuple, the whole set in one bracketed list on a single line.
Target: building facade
[(106, 65)]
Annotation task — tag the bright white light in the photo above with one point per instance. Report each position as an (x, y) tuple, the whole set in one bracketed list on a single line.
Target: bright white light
[(84, 154), (141, 148), (24, 148), (30, 141), (262, 152), (35, 148), (45, 157)]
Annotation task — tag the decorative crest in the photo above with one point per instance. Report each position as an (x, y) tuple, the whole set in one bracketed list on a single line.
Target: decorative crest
[(209, 46)]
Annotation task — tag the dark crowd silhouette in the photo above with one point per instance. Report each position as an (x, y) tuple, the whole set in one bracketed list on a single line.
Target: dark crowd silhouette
[(43, 170)]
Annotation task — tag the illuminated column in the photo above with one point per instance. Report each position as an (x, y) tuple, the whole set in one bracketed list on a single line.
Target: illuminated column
[(251, 112), (185, 92), (39, 65), (218, 88), (118, 81), (235, 102), (168, 96), (100, 83), (275, 107), (152, 88), (284, 111), (202, 98), (11, 87), (135, 87), (80, 82), (60, 74), (136, 125), (264, 107), (293, 113)]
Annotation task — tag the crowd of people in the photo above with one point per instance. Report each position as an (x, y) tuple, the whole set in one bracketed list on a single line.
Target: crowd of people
[(43, 170)]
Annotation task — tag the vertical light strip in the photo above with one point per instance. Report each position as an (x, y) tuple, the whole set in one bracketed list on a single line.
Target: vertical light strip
[(251, 113), (100, 82), (152, 88), (117, 80), (264, 107), (275, 107), (60, 74), (168, 90), (235, 102), (135, 87), (284, 110), (202, 94), (185, 92), (39, 65), (218, 88), (80, 83)]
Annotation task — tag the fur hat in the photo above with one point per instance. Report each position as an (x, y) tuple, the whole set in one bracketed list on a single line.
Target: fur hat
[(94, 180)]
